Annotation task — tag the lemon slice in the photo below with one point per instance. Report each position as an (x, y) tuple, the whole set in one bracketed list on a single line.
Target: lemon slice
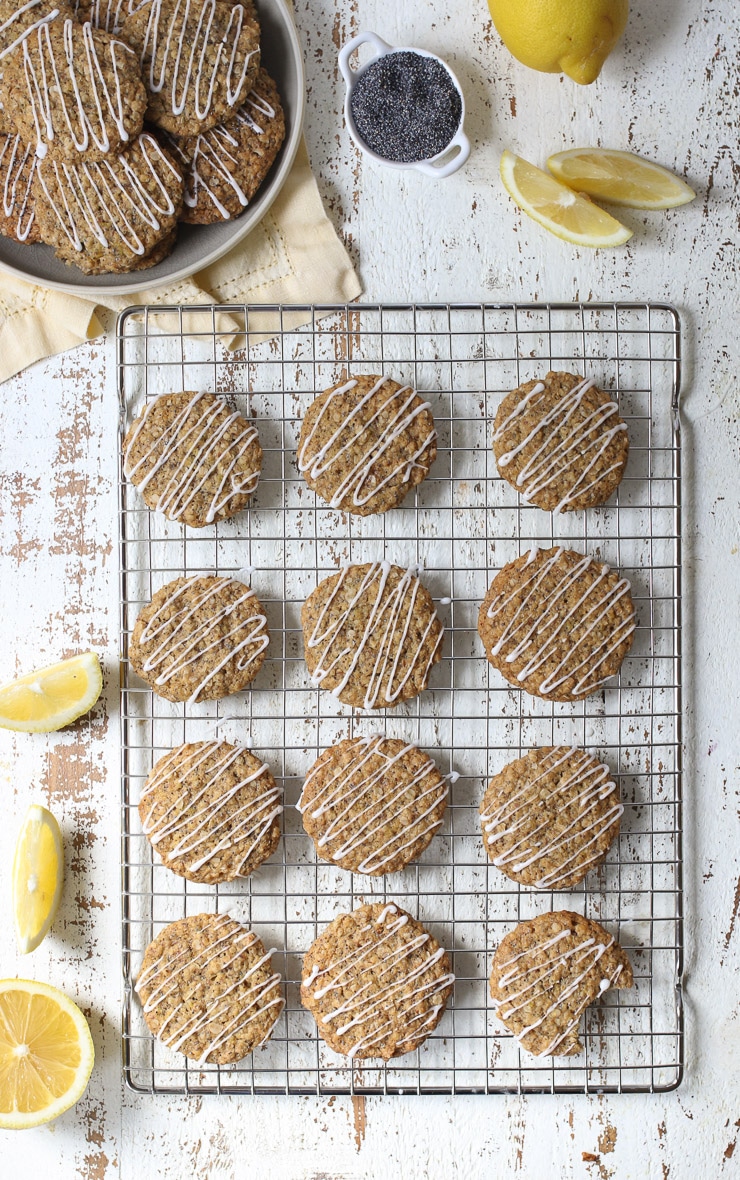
[(38, 871), (52, 697), (620, 178), (558, 208), (46, 1053)]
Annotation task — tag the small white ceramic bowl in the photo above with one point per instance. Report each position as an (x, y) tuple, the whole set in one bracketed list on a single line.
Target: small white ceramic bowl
[(445, 162)]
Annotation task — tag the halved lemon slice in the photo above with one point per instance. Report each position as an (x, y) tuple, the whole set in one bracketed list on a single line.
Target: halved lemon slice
[(620, 178), (38, 872), (52, 697), (556, 207), (46, 1053)]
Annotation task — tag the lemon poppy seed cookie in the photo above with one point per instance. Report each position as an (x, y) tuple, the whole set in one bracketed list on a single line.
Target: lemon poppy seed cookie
[(212, 811), (376, 983), (199, 59), (372, 804), (18, 210), (207, 989), (74, 91), (225, 166), (561, 442), (549, 817), (200, 639), (365, 443), (557, 624), (192, 457), (547, 971), (371, 635)]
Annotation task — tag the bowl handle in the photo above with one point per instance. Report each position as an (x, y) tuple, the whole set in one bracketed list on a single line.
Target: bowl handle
[(381, 48), (446, 167)]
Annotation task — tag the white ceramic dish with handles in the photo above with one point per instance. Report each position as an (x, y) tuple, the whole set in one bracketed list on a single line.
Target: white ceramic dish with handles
[(452, 157)]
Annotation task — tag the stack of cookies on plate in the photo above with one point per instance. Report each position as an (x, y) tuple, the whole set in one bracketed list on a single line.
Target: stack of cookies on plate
[(119, 120)]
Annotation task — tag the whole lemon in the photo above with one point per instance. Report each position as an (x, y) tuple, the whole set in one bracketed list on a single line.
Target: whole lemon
[(573, 37)]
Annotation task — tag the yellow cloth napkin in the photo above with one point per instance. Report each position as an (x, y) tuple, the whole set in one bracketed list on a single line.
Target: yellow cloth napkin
[(292, 256)]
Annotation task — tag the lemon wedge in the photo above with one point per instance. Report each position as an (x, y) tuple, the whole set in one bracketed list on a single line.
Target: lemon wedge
[(46, 1053), (556, 207), (52, 697), (620, 178), (38, 872)]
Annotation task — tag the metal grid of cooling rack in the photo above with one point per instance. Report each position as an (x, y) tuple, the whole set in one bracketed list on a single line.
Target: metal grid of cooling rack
[(461, 525)]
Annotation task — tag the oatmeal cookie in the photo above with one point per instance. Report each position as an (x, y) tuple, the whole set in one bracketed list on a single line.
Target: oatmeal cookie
[(557, 624), (372, 804), (371, 635), (365, 443), (549, 817), (207, 989), (212, 811), (561, 442), (199, 639), (18, 210), (547, 971), (376, 982)]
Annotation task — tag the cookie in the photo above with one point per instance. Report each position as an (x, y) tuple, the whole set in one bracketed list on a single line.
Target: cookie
[(211, 811), (561, 442), (207, 989), (365, 443), (199, 59), (199, 639), (192, 457), (557, 624), (18, 209), (18, 20), (376, 983), (74, 92), (225, 167), (110, 217), (549, 817), (106, 14), (372, 804), (371, 635), (547, 971)]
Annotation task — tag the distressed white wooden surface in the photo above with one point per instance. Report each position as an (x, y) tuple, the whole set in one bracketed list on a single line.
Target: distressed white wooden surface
[(670, 91)]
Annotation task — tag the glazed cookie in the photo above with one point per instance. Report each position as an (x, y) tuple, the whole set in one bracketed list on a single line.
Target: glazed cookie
[(199, 639), (224, 167), (18, 20), (208, 990), (106, 14), (365, 443), (199, 59), (74, 91), (561, 442), (17, 170), (372, 804), (547, 971), (192, 457), (371, 635), (376, 983), (557, 624), (110, 217), (549, 817), (211, 811)]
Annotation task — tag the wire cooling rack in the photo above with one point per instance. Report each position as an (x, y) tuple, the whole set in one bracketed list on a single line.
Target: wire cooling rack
[(461, 525)]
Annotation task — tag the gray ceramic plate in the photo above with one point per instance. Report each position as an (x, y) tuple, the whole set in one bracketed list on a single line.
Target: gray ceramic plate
[(197, 245)]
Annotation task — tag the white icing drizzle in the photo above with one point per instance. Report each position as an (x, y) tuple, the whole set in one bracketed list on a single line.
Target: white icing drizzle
[(18, 35), (356, 819), (182, 58), (174, 648), (511, 821), (574, 455), (218, 154), (120, 191), (192, 446), (390, 616), (107, 14), (162, 979), (380, 977), (17, 167), (318, 460), (541, 633), (192, 822), (78, 60), (557, 977)]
